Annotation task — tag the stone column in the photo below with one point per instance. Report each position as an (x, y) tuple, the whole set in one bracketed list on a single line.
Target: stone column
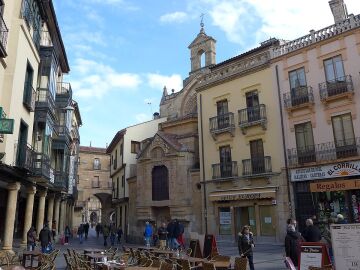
[(50, 212), (62, 217), (13, 189), (28, 213), (56, 214), (41, 211)]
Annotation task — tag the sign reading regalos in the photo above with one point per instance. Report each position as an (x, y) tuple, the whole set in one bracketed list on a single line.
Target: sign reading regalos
[(341, 169), (334, 185)]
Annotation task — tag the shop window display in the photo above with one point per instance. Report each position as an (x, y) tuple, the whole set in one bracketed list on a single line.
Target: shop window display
[(330, 204), (355, 206)]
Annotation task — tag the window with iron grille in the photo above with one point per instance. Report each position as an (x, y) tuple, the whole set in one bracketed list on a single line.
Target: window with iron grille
[(345, 143), (160, 183), (334, 69), (96, 182), (28, 88), (305, 142), (97, 164)]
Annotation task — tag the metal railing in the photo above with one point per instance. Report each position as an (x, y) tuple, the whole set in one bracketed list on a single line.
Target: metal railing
[(61, 180), (63, 88), (258, 165), (29, 97), (324, 152), (252, 115), (42, 165), (298, 96), (31, 21), (335, 87), (224, 170), (4, 31), (62, 130), (24, 156), (45, 39), (222, 122), (45, 98)]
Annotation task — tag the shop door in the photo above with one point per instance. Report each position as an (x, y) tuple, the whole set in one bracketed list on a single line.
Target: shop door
[(267, 222), (245, 216)]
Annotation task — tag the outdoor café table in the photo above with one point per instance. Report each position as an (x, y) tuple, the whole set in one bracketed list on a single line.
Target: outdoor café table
[(96, 257), (32, 254), (221, 264), (170, 253), (93, 250), (192, 260), (110, 266)]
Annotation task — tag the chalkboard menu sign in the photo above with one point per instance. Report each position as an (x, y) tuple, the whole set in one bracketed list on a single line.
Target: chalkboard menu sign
[(209, 245), (195, 248)]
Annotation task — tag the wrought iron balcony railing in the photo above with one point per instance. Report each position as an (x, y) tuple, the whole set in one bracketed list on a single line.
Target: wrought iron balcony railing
[(45, 99), (258, 165), (222, 123), (29, 98), (63, 89), (24, 156), (298, 96), (33, 22), (252, 116), (61, 180), (324, 152), (336, 87), (42, 165), (224, 170), (3, 37), (62, 131)]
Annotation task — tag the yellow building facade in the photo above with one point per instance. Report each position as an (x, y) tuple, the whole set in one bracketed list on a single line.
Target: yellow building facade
[(241, 152)]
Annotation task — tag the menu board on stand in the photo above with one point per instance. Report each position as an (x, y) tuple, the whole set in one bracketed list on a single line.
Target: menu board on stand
[(313, 254)]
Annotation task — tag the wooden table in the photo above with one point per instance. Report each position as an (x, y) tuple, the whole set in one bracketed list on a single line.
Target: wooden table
[(96, 257), (221, 264), (32, 254), (93, 250), (13, 267)]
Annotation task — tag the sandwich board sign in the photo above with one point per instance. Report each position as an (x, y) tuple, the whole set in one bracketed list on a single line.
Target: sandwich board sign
[(313, 254)]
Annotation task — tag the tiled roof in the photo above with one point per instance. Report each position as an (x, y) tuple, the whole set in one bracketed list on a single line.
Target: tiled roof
[(92, 149)]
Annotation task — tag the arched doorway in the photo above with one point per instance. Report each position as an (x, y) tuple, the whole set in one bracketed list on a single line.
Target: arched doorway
[(94, 218), (160, 183)]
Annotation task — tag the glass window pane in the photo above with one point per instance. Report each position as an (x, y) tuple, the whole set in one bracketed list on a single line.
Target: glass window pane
[(337, 127), (339, 70), (329, 70), (301, 77), (348, 129)]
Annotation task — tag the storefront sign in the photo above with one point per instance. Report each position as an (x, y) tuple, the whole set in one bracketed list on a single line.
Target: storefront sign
[(334, 185), (345, 240), (250, 196), (349, 168)]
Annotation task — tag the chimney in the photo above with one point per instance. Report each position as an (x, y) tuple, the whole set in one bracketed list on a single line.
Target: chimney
[(338, 9), (156, 115)]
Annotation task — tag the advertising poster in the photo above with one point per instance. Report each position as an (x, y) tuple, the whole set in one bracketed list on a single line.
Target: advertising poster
[(310, 256), (346, 246)]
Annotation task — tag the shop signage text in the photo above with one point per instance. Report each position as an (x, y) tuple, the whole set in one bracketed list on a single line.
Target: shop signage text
[(250, 196), (334, 185), (341, 169)]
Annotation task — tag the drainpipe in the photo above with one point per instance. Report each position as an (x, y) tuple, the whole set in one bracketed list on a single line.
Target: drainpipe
[(203, 166), (283, 138)]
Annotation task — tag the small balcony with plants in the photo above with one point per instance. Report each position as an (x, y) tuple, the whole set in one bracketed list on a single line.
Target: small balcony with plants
[(299, 98), (257, 166), (252, 116), (224, 170), (223, 123), (341, 87)]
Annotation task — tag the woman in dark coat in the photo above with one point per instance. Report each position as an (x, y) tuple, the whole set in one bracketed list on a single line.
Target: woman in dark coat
[(246, 244), (292, 240)]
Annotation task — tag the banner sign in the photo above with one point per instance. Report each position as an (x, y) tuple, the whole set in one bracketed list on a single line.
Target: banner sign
[(324, 186), (341, 169)]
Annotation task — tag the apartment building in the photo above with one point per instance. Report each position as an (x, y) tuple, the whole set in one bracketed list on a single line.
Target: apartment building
[(317, 76), (39, 122)]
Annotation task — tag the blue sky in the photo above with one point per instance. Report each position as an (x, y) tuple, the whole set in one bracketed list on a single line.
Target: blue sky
[(123, 52)]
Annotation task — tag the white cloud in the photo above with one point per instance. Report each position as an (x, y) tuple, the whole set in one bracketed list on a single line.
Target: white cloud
[(96, 79), (118, 3), (143, 117), (158, 81), (177, 17)]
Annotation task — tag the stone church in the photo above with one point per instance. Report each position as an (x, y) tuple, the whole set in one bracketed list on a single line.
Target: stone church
[(167, 185)]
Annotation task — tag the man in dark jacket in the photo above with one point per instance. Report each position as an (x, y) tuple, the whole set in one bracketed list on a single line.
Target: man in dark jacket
[(292, 241), (246, 244), (45, 238), (311, 232), (86, 230), (162, 232)]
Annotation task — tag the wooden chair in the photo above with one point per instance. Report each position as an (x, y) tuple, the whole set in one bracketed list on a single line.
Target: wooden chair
[(185, 264), (240, 263), (208, 266), (165, 266), (188, 252), (221, 258), (4, 261), (156, 262)]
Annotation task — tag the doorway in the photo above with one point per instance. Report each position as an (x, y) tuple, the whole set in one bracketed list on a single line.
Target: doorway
[(245, 216), (267, 222)]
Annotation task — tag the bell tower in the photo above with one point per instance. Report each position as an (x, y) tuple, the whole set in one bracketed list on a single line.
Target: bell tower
[(202, 45)]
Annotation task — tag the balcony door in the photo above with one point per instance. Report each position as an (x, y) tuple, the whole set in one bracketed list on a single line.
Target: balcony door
[(21, 149), (298, 86), (335, 76), (252, 104), (345, 143), (225, 161), (257, 156), (222, 114), (305, 143)]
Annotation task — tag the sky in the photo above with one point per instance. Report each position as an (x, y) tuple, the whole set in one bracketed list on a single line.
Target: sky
[(122, 52)]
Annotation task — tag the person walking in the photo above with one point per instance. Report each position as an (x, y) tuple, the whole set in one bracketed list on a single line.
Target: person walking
[(53, 229), (106, 232), (31, 239), (119, 235), (112, 234), (80, 233), (67, 234), (246, 245), (180, 239), (162, 232), (86, 230), (148, 233), (97, 229), (45, 238), (292, 244), (311, 232)]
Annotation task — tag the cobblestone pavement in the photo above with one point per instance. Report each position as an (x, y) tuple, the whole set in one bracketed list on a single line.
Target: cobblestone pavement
[(266, 256)]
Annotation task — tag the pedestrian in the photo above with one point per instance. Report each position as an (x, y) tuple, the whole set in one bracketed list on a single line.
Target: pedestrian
[(162, 233), (311, 232), (106, 232), (67, 234), (180, 239), (80, 233), (246, 245), (112, 234), (119, 234), (53, 229), (86, 230), (148, 233), (31, 239), (45, 238), (97, 228), (292, 243), (177, 232)]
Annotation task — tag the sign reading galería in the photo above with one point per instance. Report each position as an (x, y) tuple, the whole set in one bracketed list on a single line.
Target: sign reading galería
[(341, 169)]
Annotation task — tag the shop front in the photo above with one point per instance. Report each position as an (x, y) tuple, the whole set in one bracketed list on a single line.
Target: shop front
[(237, 208), (326, 191)]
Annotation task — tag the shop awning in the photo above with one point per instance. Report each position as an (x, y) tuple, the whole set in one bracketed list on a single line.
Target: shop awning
[(243, 194)]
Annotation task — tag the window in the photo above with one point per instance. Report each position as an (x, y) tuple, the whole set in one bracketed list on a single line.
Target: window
[(334, 70), (223, 119), (28, 88), (304, 142), (222, 107), (117, 187), (344, 135), (160, 183), (115, 161), (123, 181), (112, 160), (298, 87), (135, 147), (297, 78), (225, 161), (252, 104), (96, 182), (121, 149), (257, 156), (97, 164)]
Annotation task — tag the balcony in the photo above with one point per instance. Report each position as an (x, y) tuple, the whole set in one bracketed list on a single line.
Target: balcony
[(256, 166), (252, 116), (45, 101), (42, 166), (299, 97), (3, 37), (324, 152), (63, 94), (332, 90), (27, 13), (24, 158), (63, 137), (29, 98), (61, 180), (224, 170), (221, 124), (45, 39)]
